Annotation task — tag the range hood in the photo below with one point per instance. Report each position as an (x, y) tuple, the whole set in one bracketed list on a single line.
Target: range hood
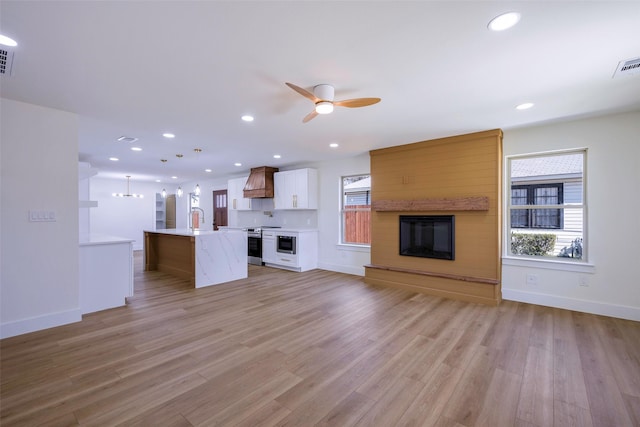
[(260, 183)]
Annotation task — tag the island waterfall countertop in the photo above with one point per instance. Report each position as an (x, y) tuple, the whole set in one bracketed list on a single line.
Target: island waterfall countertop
[(204, 257)]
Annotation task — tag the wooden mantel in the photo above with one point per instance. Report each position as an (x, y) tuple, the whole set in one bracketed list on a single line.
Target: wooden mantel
[(447, 204)]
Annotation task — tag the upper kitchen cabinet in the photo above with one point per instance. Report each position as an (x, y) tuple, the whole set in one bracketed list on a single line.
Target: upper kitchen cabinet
[(235, 195), (296, 189)]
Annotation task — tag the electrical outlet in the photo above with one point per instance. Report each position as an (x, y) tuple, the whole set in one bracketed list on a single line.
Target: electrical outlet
[(532, 279)]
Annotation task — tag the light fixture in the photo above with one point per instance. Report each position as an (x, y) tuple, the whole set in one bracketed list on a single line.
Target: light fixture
[(7, 41), (179, 156), (207, 170), (164, 193), (237, 164), (524, 106), (179, 191), (197, 190), (114, 159), (168, 135), (247, 118), (324, 107), (504, 21), (174, 177), (276, 156), (334, 145), (128, 193), (136, 149)]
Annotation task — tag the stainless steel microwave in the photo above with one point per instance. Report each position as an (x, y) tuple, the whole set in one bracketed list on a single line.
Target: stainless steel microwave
[(286, 244)]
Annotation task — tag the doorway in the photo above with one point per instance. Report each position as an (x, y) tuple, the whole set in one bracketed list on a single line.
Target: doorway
[(219, 208), (171, 211)]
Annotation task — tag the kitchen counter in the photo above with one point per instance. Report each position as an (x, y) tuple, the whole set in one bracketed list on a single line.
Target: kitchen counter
[(106, 271), (204, 257)]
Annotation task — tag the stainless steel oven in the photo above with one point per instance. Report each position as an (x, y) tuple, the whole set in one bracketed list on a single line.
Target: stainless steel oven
[(254, 246), (286, 244)]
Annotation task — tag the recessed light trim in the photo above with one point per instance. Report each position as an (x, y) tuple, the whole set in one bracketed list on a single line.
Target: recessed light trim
[(7, 41), (136, 149), (174, 177), (277, 156), (168, 135), (524, 106), (504, 21), (114, 159), (207, 170), (334, 145), (237, 164), (247, 118)]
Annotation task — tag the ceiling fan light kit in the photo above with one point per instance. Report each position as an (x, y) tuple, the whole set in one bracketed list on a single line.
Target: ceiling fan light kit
[(322, 97)]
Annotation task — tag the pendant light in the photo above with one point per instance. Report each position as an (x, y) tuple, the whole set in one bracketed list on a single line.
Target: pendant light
[(197, 190), (179, 192), (128, 194), (164, 193)]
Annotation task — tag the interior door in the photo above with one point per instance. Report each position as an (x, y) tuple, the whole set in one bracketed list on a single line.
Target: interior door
[(171, 211), (219, 208)]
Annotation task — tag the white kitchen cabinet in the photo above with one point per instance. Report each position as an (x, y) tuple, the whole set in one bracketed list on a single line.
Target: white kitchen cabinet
[(268, 246), (235, 195), (161, 211), (306, 254), (296, 189)]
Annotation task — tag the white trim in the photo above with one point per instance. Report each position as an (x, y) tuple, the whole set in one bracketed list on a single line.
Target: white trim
[(353, 247), (578, 267), (346, 269), (33, 324), (593, 307)]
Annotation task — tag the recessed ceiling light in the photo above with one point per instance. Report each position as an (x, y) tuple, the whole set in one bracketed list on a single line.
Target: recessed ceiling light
[(157, 180), (168, 135), (504, 21), (237, 164), (524, 106), (136, 149), (174, 177), (276, 156), (334, 145), (207, 170), (114, 159), (7, 41), (247, 118), (128, 139)]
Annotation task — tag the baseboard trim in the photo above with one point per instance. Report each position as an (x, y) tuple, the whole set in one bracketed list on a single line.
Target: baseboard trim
[(592, 307), (346, 269), (33, 324)]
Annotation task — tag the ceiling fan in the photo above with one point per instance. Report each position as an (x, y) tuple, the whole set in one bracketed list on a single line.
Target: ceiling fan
[(322, 97)]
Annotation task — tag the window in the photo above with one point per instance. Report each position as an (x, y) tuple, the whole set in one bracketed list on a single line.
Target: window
[(356, 210), (546, 205)]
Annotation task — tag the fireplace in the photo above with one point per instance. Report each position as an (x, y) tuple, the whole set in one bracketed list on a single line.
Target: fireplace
[(430, 236)]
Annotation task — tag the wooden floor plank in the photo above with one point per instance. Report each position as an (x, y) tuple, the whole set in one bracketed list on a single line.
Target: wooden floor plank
[(320, 348)]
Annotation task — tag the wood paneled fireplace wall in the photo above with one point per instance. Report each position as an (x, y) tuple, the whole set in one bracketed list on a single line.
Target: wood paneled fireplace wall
[(458, 176)]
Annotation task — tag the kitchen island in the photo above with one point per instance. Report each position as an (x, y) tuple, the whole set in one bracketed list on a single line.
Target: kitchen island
[(203, 257)]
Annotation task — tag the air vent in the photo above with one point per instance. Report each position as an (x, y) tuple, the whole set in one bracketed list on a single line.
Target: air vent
[(628, 67), (128, 139), (6, 61)]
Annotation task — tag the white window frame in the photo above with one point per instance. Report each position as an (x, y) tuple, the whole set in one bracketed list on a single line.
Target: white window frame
[(341, 215), (559, 263)]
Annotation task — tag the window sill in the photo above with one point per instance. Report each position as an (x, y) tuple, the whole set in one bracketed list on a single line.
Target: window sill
[(578, 267), (353, 248)]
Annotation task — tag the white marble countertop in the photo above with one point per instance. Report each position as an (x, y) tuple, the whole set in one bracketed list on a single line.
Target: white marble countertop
[(101, 239), (189, 232)]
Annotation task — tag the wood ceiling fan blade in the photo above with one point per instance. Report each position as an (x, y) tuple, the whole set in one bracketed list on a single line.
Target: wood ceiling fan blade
[(357, 102), (303, 92), (309, 116)]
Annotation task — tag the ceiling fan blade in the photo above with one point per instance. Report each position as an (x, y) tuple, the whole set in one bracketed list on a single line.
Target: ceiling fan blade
[(357, 102), (309, 116), (303, 92)]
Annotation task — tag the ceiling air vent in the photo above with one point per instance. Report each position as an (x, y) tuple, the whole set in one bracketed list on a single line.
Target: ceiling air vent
[(628, 67), (6, 61), (127, 139)]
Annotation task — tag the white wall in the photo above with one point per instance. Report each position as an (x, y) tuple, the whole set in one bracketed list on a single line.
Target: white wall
[(610, 287), (39, 260), (123, 216)]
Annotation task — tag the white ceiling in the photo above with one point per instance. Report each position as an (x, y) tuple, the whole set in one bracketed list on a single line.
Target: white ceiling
[(141, 68)]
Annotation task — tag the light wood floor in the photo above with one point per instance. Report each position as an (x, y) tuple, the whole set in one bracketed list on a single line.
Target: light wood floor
[(321, 348)]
